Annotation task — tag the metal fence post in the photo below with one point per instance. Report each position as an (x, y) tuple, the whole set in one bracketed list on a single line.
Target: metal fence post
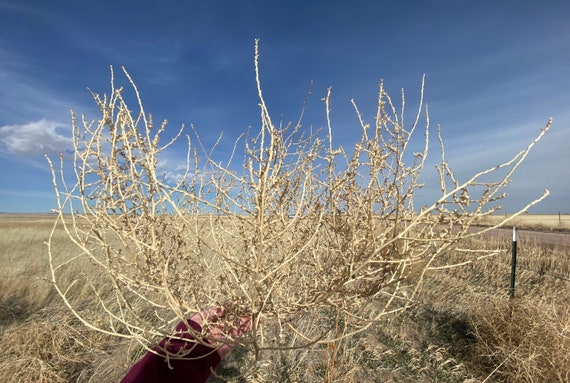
[(513, 262)]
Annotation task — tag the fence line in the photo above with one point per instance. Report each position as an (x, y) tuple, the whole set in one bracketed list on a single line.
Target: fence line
[(515, 266)]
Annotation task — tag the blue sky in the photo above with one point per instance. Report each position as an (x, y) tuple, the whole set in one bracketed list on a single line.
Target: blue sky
[(495, 72)]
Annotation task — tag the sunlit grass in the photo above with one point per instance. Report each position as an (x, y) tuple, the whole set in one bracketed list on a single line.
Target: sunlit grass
[(463, 325)]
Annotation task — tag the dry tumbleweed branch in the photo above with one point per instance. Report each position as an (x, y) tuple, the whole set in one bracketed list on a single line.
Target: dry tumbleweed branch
[(300, 234)]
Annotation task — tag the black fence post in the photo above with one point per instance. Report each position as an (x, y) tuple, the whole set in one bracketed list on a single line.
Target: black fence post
[(513, 262)]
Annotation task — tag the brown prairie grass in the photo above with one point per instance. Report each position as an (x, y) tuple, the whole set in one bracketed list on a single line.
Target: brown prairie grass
[(523, 340), (463, 326), (520, 339), (41, 339)]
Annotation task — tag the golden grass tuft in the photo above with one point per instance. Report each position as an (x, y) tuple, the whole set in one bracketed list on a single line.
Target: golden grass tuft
[(47, 347), (41, 339), (522, 340)]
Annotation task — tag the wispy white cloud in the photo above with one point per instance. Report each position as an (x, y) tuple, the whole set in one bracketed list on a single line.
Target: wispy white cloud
[(35, 139)]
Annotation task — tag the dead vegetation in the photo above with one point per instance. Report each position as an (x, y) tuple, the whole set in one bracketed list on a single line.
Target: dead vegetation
[(300, 230), (321, 245), (461, 327)]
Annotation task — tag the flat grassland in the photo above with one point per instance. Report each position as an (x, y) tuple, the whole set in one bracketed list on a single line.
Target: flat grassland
[(546, 222), (463, 326)]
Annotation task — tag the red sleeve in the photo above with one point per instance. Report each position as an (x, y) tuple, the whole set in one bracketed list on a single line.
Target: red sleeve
[(154, 368)]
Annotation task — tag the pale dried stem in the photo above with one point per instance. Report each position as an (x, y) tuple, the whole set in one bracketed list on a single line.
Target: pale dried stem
[(301, 231)]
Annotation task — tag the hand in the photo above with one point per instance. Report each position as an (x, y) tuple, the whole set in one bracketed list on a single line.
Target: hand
[(218, 326)]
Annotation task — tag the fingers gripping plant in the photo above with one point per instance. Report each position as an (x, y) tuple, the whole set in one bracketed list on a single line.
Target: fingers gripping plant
[(297, 234)]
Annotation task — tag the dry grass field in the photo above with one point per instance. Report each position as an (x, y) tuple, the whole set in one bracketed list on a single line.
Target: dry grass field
[(547, 222), (463, 327)]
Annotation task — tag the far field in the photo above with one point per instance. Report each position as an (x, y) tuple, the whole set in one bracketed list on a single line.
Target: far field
[(548, 222)]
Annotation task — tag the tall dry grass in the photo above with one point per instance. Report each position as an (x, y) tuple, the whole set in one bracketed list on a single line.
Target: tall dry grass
[(41, 339), (461, 327), (524, 339)]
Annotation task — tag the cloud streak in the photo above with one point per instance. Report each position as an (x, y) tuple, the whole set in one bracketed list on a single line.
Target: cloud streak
[(35, 139)]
